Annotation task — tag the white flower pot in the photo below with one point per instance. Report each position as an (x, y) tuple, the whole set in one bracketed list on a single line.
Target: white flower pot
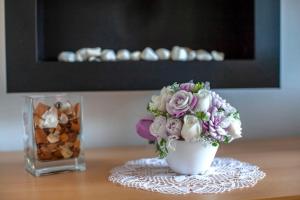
[(190, 158)]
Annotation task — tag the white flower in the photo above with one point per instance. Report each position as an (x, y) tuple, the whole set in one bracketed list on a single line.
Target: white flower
[(235, 129), (159, 102), (158, 127), (155, 102), (191, 129), (204, 100)]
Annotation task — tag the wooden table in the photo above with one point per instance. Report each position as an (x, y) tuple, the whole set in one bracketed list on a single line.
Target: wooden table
[(279, 158)]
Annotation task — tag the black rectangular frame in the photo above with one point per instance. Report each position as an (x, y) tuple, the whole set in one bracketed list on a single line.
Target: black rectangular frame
[(25, 73)]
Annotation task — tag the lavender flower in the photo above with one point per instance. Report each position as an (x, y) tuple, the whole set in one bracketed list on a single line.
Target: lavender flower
[(180, 103), (187, 86), (217, 101), (216, 126)]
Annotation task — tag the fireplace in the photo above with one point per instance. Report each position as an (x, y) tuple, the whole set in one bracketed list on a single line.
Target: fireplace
[(38, 30)]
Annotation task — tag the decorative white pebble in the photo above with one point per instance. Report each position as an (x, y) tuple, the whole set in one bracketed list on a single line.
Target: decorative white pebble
[(136, 55), (218, 56), (204, 55), (149, 55), (191, 54), (179, 54), (123, 54), (84, 54), (163, 54), (108, 55), (67, 56), (94, 59)]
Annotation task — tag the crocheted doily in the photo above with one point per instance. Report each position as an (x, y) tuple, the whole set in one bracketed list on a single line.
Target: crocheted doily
[(153, 174)]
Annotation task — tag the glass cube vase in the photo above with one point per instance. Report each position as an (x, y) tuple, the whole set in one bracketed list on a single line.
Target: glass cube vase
[(53, 134)]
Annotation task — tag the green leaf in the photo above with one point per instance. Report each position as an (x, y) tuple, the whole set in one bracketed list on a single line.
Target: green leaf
[(215, 144), (161, 148), (198, 86), (236, 115), (221, 110), (156, 112), (227, 138), (175, 87), (202, 116)]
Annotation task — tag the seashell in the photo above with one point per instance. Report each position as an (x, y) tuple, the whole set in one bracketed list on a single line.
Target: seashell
[(136, 55), (53, 138), (63, 119), (40, 136), (191, 54), (149, 55), (65, 107), (84, 54), (108, 55), (50, 118), (64, 137), (58, 130), (67, 56), (40, 109), (52, 147), (217, 55), (38, 122), (179, 53), (123, 54), (204, 55), (163, 54), (65, 151)]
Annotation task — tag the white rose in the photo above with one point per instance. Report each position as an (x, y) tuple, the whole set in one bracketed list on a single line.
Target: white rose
[(204, 101), (191, 129), (235, 129), (159, 102), (155, 101), (158, 127)]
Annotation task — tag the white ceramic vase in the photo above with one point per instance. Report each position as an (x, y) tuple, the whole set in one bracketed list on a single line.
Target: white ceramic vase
[(190, 158)]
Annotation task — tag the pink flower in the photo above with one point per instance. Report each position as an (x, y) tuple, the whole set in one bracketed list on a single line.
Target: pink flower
[(142, 128), (180, 103), (187, 86)]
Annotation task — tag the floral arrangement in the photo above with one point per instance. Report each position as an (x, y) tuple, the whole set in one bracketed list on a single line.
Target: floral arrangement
[(190, 112)]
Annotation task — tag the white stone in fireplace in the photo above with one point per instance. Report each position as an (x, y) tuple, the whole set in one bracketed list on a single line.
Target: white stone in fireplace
[(177, 53)]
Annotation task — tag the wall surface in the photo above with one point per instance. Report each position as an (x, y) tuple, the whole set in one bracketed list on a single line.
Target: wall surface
[(110, 117)]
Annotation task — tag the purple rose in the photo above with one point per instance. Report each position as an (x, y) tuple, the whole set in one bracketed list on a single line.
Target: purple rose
[(187, 86), (181, 102), (142, 128), (174, 127)]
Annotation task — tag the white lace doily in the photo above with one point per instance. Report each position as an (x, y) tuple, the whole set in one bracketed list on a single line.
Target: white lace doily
[(153, 174)]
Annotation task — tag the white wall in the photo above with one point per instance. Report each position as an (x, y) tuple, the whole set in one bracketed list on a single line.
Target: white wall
[(110, 117)]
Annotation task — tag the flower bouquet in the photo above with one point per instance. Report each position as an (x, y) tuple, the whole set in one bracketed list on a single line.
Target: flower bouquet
[(188, 122)]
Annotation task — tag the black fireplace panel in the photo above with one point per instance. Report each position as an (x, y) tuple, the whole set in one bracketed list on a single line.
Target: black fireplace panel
[(37, 30), (135, 24)]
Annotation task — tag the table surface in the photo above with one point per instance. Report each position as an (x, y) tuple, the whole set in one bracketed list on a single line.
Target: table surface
[(279, 158)]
